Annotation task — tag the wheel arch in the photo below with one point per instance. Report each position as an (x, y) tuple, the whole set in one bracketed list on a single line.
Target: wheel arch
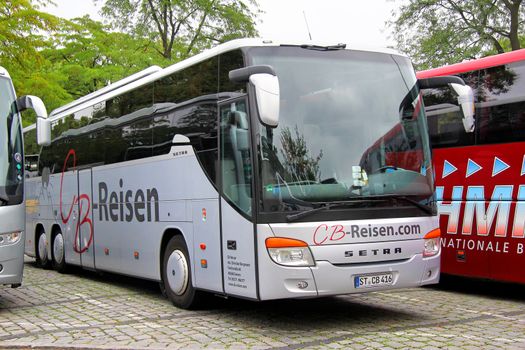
[(168, 234), (55, 228), (39, 228)]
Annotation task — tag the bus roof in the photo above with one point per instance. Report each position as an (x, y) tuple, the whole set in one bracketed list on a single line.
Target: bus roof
[(110, 92), (482, 63)]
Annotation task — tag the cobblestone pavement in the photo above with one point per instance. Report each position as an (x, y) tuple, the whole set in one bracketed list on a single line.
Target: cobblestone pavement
[(85, 310)]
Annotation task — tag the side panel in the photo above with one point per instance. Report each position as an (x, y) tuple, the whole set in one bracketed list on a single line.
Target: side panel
[(86, 229), (207, 246), (32, 213), (66, 212), (136, 202), (481, 200), (238, 253), (42, 207), (12, 255)]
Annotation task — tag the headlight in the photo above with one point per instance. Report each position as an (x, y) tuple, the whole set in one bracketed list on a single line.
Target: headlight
[(289, 252), (10, 238), (432, 243)]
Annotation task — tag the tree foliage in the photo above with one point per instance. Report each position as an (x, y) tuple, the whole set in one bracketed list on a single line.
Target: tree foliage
[(92, 56), (21, 31), (182, 27), (61, 60), (438, 32)]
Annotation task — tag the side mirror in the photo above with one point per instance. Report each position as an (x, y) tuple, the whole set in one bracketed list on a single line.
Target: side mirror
[(267, 92), (464, 92), (43, 125), (466, 102)]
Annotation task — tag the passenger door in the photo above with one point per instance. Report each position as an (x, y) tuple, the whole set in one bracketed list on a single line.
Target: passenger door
[(238, 240)]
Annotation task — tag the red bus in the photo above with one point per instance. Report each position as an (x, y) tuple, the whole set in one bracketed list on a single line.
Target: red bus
[(480, 176)]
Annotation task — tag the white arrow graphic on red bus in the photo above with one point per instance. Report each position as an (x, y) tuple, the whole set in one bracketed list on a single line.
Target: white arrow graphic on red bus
[(448, 169), (499, 166), (472, 167)]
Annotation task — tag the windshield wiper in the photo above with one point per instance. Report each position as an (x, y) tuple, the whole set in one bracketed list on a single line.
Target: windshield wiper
[(324, 48), (326, 206), (426, 208)]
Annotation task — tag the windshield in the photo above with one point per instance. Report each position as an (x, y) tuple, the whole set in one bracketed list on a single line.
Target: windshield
[(351, 126), (11, 159)]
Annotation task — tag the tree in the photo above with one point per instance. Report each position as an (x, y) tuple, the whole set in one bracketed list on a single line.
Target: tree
[(91, 56), (183, 27), (438, 32), (24, 33), (21, 31)]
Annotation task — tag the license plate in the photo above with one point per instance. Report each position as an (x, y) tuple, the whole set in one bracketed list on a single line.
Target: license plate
[(373, 280)]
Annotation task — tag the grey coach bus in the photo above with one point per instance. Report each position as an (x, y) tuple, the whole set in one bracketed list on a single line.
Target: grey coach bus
[(12, 208), (255, 169)]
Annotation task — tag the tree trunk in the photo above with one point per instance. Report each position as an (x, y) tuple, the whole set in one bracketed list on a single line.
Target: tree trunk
[(514, 8)]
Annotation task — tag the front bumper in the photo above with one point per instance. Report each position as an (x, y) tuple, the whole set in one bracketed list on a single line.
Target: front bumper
[(12, 261), (326, 279)]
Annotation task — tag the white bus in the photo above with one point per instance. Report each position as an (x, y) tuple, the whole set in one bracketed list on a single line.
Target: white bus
[(12, 206), (242, 171)]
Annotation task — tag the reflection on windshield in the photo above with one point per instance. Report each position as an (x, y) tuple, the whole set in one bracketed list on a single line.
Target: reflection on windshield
[(11, 160), (350, 125)]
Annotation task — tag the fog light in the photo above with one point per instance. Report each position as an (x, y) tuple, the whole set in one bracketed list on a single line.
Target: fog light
[(302, 284), (1, 268), (429, 273)]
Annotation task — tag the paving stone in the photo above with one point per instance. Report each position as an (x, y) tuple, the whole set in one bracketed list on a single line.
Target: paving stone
[(83, 309)]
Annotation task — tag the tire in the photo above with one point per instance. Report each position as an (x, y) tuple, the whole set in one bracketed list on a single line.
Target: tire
[(176, 275), (42, 259), (58, 253)]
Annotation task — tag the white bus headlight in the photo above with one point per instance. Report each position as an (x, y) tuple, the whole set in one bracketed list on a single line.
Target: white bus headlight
[(432, 241), (289, 252), (10, 238)]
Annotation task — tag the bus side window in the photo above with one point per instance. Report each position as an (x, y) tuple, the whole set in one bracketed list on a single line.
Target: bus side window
[(445, 119), (500, 113)]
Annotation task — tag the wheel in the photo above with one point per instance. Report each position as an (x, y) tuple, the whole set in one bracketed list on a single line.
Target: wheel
[(176, 275), (58, 258), (42, 259)]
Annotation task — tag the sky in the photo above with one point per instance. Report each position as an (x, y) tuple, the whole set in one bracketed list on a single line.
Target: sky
[(359, 22)]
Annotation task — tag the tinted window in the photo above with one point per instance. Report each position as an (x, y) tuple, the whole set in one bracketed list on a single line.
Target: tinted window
[(127, 131), (227, 62), (190, 83), (130, 102), (74, 132), (186, 103), (444, 116), (196, 121), (142, 122), (500, 113)]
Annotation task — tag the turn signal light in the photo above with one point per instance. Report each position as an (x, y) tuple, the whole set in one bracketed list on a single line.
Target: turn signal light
[(432, 240), (10, 238), (289, 252)]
